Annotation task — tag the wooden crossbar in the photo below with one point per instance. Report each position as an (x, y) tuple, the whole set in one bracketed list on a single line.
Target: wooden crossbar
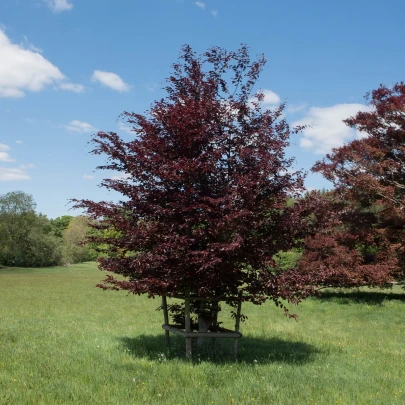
[(221, 333), (195, 298)]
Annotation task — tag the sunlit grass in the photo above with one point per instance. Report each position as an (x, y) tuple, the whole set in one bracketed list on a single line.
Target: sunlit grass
[(63, 341)]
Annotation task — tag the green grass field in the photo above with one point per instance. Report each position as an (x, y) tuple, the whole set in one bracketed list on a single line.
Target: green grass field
[(63, 341)]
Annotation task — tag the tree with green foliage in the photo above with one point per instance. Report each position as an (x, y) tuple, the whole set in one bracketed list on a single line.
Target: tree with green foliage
[(59, 224), (74, 250), (26, 238)]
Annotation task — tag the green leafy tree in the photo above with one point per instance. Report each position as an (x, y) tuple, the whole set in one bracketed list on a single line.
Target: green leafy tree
[(26, 238), (60, 224), (74, 250), (17, 213)]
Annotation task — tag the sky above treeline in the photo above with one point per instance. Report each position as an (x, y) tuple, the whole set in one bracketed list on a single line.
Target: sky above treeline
[(69, 68)]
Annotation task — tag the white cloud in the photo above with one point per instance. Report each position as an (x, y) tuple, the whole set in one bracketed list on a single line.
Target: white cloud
[(270, 99), (18, 141), (325, 129), (3, 146), (79, 126), (111, 80), (88, 176), (28, 166), (214, 13), (57, 6), (13, 174), (152, 87), (200, 4), (121, 176), (294, 108), (125, 128), (4, 156), (24, 70), (76, 88)]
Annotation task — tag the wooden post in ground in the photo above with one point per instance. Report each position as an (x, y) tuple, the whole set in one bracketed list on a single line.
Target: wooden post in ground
[(237, 325), (166, 318), (215, 306), (189, 351)]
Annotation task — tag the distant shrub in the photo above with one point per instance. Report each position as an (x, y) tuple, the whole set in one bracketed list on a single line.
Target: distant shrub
[(287, 260)]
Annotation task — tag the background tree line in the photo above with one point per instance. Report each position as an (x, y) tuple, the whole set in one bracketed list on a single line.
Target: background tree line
[(30, 239)]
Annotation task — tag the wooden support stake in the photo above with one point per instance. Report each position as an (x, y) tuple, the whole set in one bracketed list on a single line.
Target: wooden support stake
[(166, 318), (189, 341), (237, 325), (215, 307)]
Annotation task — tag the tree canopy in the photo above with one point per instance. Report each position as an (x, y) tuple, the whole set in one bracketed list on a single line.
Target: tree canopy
[(204, 182), (25, 237), (73, 237), (364, 240)]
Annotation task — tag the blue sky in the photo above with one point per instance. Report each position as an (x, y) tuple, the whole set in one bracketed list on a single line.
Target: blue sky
[(70, 67)]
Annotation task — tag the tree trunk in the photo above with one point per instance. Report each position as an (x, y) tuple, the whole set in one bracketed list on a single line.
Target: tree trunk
[(206, 319)]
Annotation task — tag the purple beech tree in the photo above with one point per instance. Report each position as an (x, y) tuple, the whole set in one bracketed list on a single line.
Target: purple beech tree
[(205, 181), (363, 242)]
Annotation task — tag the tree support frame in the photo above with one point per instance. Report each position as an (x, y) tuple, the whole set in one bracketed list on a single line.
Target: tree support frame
[(186, 330)]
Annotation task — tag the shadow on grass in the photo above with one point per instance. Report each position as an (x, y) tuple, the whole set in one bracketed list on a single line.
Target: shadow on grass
[(360, 297), (250, 350)]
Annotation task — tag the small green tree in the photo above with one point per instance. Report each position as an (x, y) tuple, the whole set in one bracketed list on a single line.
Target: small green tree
[(73, 237)]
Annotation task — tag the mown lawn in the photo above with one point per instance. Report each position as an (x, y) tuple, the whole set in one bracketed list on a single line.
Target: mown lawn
[(63, 341)]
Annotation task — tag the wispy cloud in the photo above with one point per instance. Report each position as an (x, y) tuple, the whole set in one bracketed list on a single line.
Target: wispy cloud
[(57, 6), (214, 13), (4, 156), (125, 128), (152, 87), (27, 166), (111, 80), (27, 45), (13, 174), (75, 88), (200, 4), (294, 108), (88, 177), (79, 126), (121, 176)]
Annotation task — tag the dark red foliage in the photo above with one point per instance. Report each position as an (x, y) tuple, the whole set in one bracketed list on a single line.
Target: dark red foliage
[(366, 244), (205, 186)]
